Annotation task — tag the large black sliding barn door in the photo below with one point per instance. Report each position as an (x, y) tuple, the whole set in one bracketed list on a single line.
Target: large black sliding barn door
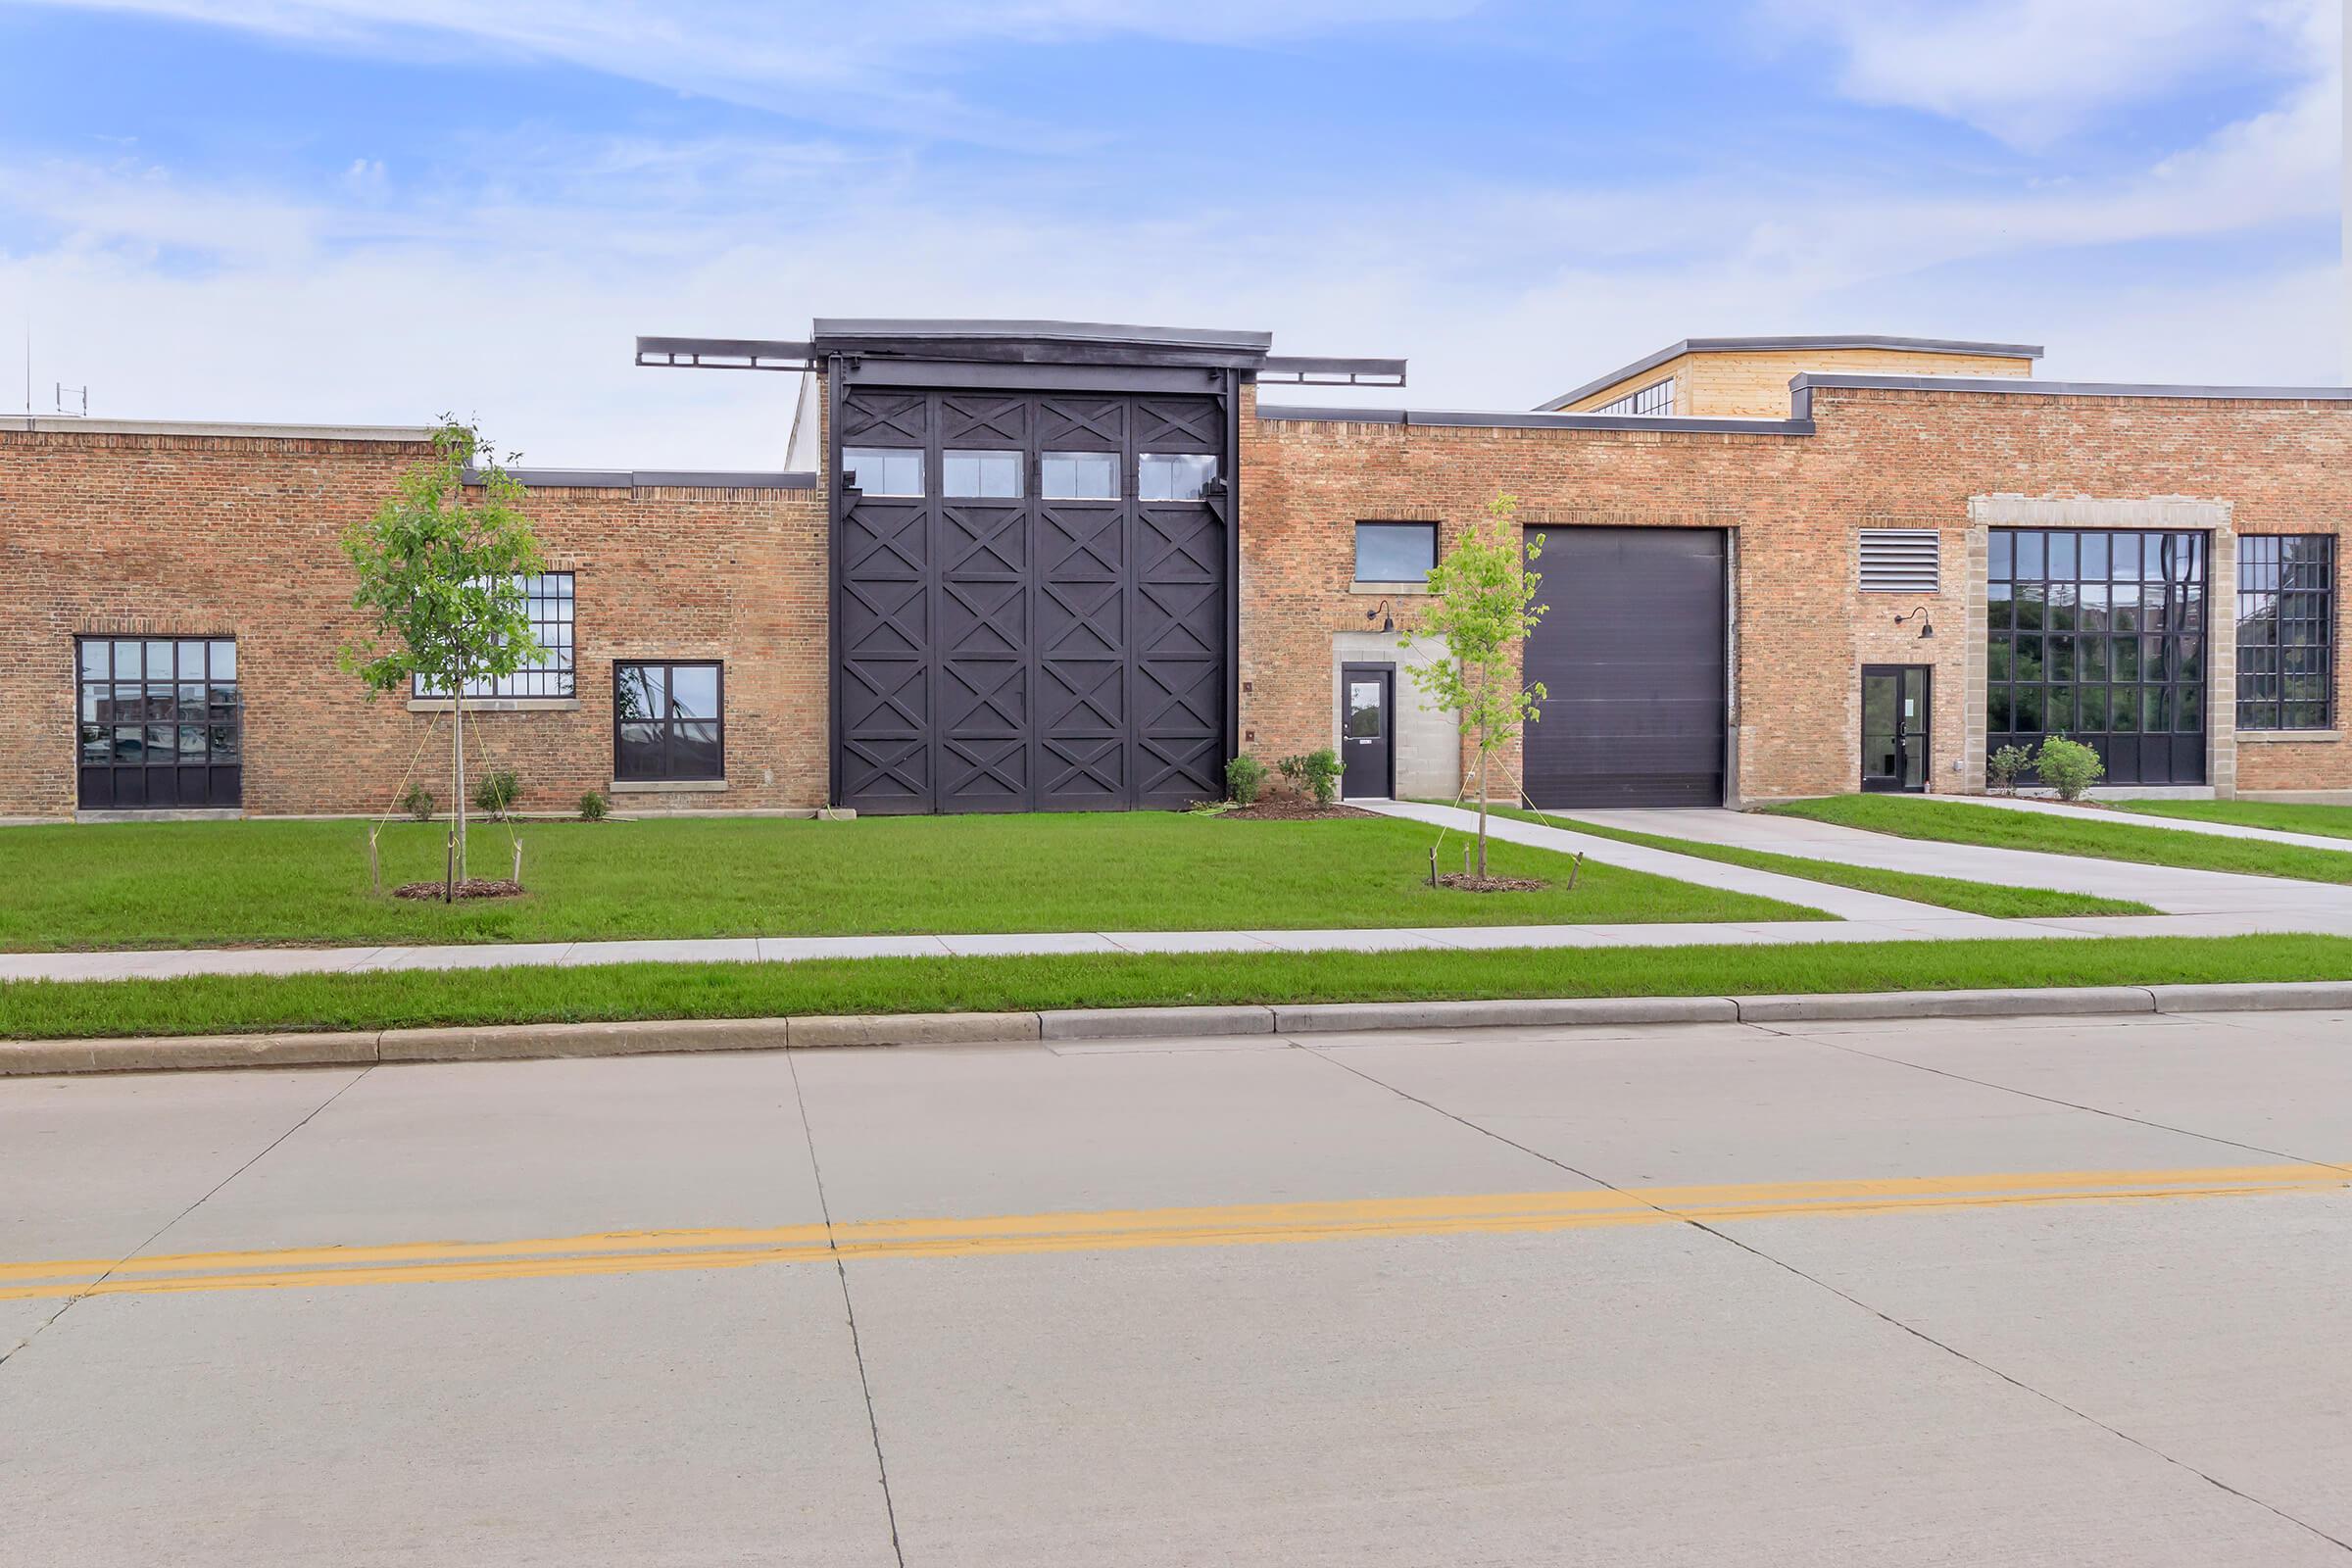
[(1060, 650)]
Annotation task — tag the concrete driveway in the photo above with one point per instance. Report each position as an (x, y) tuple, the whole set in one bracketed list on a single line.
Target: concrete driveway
[(1938, 1293), (2281, 904)]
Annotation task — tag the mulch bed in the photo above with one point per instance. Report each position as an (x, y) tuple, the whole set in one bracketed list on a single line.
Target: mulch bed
[(1290, 812), (1462, 883), (473, 887)]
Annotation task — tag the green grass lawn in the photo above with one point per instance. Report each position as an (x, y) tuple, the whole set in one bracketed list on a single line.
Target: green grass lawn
[(1950, 893), (2331, 821), (215, 1004), (2097, 835), (194, 884)]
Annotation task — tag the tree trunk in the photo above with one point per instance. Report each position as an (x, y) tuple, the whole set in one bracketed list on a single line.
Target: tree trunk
[(456, 709), (1482, 800)]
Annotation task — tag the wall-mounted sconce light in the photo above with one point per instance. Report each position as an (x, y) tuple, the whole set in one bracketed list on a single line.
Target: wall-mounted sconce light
[(1927, 627), (1379, 612)]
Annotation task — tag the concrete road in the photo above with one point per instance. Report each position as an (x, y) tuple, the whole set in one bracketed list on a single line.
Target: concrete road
[(2026, 1292)]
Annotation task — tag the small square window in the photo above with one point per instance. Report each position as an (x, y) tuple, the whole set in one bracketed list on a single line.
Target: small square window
[(1079, 476), (1173, 476), (668, 721), (981, 475), (1395, 552)]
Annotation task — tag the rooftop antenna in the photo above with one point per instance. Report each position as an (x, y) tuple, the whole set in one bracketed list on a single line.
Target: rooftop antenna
[(81, 392)]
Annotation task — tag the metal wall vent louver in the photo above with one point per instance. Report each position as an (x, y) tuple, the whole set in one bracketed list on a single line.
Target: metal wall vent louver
[(1900, 561)]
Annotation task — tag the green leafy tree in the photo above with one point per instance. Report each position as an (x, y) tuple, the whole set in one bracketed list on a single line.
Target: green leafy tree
[(441, 577), (1482, 608)]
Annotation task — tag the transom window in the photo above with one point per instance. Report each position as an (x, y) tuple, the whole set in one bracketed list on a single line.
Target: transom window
[(668, 721), (1173, 476), (982, 475), (2100, 636), (1079, 476), (547, 600), (2285, 631), (884, 470), (1656, 398), (161, 723), (1395, 552)]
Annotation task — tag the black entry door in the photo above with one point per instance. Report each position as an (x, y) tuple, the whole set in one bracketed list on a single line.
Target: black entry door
[(1631, 653), (1895, 726), (1367, 745)]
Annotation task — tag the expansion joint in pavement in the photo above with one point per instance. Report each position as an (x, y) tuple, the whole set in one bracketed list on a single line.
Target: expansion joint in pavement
[(1921, 1335), (848, 1307)]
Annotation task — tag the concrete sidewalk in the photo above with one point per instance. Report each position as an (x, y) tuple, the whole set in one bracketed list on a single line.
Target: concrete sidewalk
[(2304, 906)]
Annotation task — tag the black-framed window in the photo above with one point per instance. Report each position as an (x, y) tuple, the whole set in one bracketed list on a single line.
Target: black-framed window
[(2100, 636), (670, 720), (1395, 552), (1656, 398), (548, 601), (161, 723), (1173, 476), (884, 470), (1079, 476), (982, 475), (2285, 631)]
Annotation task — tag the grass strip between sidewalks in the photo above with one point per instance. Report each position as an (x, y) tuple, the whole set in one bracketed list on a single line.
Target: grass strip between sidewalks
[(1945, 892), (413, 998), (2281, 816)]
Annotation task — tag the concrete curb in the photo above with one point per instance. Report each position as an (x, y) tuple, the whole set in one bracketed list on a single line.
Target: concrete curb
[(518, 1041)]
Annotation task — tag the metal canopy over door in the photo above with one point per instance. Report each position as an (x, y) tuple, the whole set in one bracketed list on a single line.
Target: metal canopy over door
[(1631, 652), (1060, 641)]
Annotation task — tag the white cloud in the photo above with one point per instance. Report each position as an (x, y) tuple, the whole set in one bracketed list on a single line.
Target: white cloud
[(2030, 71), (872, 63)]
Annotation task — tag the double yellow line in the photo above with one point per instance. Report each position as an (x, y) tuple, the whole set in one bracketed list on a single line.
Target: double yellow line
[(1126, 1230)]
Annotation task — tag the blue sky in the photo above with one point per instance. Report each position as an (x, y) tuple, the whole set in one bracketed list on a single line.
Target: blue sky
[(356, 211)]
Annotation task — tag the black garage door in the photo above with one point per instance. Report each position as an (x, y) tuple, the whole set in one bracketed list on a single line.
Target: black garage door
[(1631, 652), (1031, 601)]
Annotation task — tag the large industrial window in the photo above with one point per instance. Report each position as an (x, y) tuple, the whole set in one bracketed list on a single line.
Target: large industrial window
[(547, 600), (2285, 631), (161, 723), (1657, 398), (2100, 636), (668, 721), (1395, 552)]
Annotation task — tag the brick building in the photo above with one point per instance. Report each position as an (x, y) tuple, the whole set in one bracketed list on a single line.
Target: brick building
[(1046, 566)]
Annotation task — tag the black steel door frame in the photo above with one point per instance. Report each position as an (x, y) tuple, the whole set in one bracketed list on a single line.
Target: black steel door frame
[(1905, 732), (1385, 671), (1219, 387)]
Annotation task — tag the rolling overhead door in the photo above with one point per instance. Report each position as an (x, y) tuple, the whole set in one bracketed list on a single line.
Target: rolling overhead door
[(1631, 653), (1031, 601)]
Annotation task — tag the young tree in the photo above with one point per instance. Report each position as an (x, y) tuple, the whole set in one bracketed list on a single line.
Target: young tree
[(441, 577), (1482, 608)]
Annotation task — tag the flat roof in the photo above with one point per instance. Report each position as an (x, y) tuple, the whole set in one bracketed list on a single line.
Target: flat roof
[(952, 329), (1784, 345), (51, 425)]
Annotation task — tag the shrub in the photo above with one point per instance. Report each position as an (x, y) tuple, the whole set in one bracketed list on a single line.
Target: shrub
[(593, 808), (2003, 766), (1317, 773), (496, 793), (2069, 766), (1245, 776), (417, 802)]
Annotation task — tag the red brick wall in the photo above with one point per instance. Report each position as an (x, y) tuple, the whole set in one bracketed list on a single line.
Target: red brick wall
[(189, 536), (1879, 458)]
